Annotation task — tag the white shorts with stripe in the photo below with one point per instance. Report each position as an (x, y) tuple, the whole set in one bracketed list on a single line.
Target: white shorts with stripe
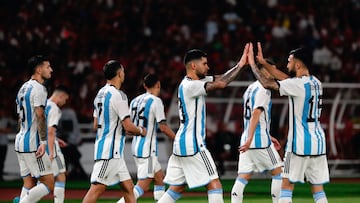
[(259, 160), (36, 167), (110, 171), (314, 168), (58, 164), (147, 167), (196, 171)]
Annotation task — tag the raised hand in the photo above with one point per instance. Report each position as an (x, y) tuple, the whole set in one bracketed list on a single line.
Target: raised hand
[(260, 56)]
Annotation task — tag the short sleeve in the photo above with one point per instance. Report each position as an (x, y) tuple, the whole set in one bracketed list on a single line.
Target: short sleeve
[(159, 110), (290, 87), (120, 105)]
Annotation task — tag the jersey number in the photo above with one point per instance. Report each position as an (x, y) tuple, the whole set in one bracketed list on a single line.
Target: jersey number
[(181, 112), (311, 112), (22, 110), (138, 116), (247, 110)]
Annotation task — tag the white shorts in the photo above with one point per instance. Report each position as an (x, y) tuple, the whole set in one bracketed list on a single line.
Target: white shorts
[(314, 168), (58, 165), (147, 167), (196, 171), (110, 172), (259, 160), (29, 164)]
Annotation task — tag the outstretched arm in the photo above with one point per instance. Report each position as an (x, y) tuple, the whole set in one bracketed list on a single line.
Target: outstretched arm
[(265, 82), (276, 73), (231, 74)]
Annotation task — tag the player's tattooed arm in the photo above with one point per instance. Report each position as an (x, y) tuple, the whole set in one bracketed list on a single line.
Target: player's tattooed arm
[(41, 122), (265, 82), (231, 74)]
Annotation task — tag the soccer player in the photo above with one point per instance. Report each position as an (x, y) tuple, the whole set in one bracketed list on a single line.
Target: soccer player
[(257, 151), (31, 140), (305, 155), (53, 115), (191, 162), (111, 120), (147, 110)]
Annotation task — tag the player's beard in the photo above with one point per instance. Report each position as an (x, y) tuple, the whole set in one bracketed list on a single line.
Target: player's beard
[(292, 73), (200, 75)]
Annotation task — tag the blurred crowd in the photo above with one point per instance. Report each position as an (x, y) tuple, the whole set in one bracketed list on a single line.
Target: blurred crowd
[(152, 36)]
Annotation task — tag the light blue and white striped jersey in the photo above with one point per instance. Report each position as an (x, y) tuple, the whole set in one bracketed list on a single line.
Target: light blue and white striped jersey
[(305, 136), (31, 94), (146, 110), (190, 137), (256, 96), (110, 108), (53, 115)]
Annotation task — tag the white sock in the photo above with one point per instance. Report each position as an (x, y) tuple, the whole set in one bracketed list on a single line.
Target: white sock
[(24, 192), (138, 191), (237, 192), (320, 197), (59, 192), (122, 200), (169, 196), (159, 191), (285, 196), (275, 188), (36, 193), (215, 196)]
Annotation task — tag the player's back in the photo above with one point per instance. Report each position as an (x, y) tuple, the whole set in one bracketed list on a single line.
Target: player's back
[(146, 110), (111, 107), (256, 96), (31, 94)]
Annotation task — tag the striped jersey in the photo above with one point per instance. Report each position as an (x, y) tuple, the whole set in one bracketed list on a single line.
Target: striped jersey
[(31, 94), (53, 115), (110, 108), (190, 137), (256, 96), (146, 110), (305, 136)]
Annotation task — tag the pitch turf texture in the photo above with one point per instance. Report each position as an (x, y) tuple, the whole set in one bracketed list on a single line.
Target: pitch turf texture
[(257, 191)]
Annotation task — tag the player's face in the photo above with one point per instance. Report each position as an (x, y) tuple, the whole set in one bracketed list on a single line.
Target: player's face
[(291, 65), (201, 67), (45, 70), (63, 98), (158, 88), (121, 74)]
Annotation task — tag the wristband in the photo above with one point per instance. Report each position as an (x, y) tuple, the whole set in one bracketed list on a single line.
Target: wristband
[(43, 142), (141, 130)]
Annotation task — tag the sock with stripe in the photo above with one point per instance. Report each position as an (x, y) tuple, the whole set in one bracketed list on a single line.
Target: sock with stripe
[(237, 192), (215, 196), (159, 191), (24, 192), (275, 188), (36, 193), (320, 197), (138, 191), (285, 196), (169, 196), (59, 192)]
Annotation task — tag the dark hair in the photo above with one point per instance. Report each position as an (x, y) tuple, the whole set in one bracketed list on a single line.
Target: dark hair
[(34, 61), (62, 88), (303, 55), (150, 80), (193, 54), (110, 69)]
